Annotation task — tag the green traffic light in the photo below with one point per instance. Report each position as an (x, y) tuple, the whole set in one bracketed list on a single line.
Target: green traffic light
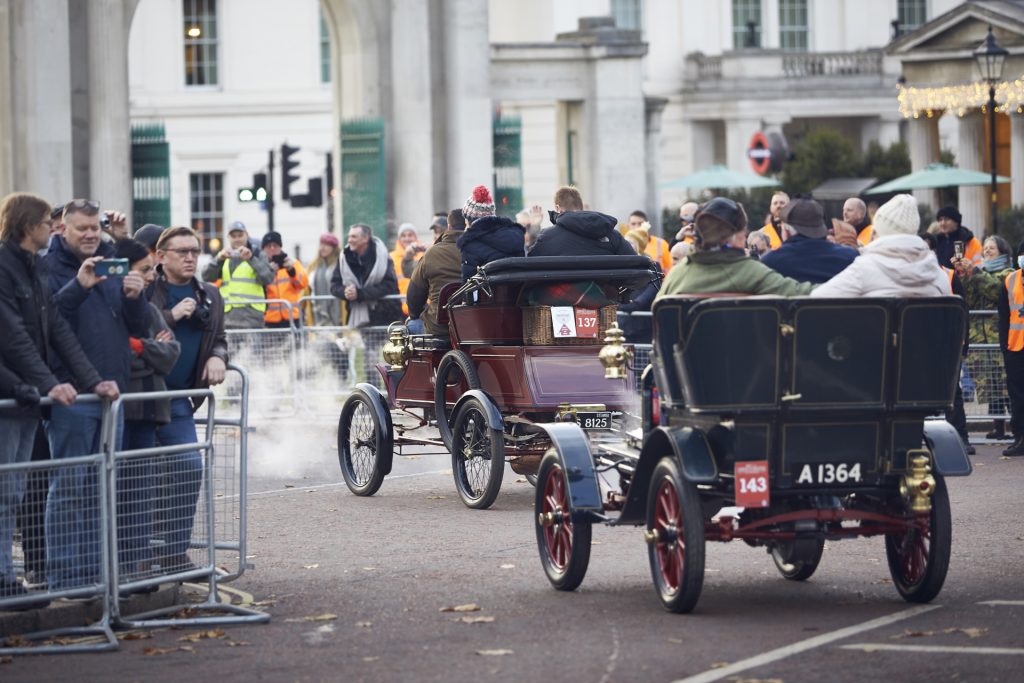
[(246, 194), (261, 194)]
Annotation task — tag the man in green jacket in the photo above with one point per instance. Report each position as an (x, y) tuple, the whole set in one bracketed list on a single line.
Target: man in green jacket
[(722, 265)]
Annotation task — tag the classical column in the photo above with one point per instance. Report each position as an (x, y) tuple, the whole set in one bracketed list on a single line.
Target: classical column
[(973, 202), (110, 159), (6, 125), (1016, 159), (653, 108), (40, 97), (738, 132), (467, 66), (410, 147), (924, 149)]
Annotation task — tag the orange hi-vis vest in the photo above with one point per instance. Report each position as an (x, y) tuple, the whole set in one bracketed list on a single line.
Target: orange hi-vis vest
[(1015, 294), (289, 289), (865, 236), (949, 273), (774, 239)]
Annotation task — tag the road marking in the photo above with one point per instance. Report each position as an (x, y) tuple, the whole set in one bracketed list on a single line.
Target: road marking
[(317, 487), (804, 645), (1017, 603), (958, 649), (613, 659)]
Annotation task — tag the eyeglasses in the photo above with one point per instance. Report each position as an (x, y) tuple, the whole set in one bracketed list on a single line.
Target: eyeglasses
[(194, 253), (90, 205)]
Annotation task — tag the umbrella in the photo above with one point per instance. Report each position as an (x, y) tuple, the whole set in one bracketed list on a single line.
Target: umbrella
[(934, 176), (719, 177)]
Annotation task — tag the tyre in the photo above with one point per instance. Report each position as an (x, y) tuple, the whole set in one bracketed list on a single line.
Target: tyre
[(361, 445), (797, 570), (455, 370), (531, 479), (675, 524), (564, 546), (919, 558), (478, 456)]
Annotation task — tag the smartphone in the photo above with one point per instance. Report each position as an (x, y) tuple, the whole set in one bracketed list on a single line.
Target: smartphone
[(112, 267), (958, 250)]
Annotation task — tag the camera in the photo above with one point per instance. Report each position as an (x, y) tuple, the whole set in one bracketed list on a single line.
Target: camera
[(235, 253), (278, 259), (202, 312), (105, 223), (112, 267)]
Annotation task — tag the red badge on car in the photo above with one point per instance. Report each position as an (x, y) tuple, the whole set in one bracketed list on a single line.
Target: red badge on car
[(752, 484)]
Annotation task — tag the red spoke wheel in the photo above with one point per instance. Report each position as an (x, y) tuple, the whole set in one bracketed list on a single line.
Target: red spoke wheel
[(675, 523), (361, 445), (564, 544), (919, 558), (478, 456)]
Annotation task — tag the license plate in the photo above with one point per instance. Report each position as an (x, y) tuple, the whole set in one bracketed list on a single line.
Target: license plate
[(752, 484), (601, 420), (828, 473)]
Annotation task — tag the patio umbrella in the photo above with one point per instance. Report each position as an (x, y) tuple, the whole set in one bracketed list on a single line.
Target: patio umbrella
[(719, 178), (934, 176)]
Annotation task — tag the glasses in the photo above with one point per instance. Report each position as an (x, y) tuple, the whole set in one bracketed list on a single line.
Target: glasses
[(90, 205), (194, 253)]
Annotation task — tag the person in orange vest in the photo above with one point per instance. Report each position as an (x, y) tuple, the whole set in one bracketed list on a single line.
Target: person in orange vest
[(951, 234), (1010, 305), (855, 212), (773, 228), (289, 281), (406, 254), (656, 248)]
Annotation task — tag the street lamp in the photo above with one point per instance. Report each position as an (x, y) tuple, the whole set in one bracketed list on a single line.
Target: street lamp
[(990, 56)]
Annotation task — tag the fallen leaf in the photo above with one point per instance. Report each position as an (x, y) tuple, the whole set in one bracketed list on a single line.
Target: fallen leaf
[(321, 617), (264, 603), (913, 634), (135, 635), (310, 566), (364, 624), (507, 566), (475, 620), (237, 643), (500, 652), (203, 635), (15, 641), (718, 665), (6, 660), (471, 607), (520, 481), (369, 569), (332, 510), (370, 659), (289, 486), (971, 632), (677, 641), (437, 497), (156, 651), (595, 543), (187, 648)]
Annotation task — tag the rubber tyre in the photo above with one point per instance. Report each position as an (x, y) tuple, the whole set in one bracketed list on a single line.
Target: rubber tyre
[(918, 561), (674, 509), (800, 570), (531, 479), (457, 361), (564, 548), (360, 445), (478, 456)]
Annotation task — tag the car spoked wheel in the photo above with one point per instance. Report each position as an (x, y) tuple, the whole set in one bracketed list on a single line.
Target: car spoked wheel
[(455, 371), (919, 558), (478, 456), (361, 445), (563, 544), (675, 538)]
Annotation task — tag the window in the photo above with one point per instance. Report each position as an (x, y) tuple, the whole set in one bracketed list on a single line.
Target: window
[(325, 51), (628, 14), (200, 42), (912, 14), (743, 13), (793, 24), (206, 191)]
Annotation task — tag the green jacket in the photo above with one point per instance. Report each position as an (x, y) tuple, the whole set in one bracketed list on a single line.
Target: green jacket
[(981, 290), (728, 270)]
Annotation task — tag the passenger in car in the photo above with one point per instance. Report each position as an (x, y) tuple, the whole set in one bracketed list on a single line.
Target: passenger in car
[(579, 233), (438, 267), (488, 237)]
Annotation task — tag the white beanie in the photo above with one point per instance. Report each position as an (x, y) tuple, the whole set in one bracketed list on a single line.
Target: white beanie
[(898, 216)]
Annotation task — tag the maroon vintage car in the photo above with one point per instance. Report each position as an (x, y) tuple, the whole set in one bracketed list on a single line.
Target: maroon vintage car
[(521, 351)]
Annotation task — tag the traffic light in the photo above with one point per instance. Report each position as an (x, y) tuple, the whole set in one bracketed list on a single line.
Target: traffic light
[(246, 194), (259, 186), (287, 164)]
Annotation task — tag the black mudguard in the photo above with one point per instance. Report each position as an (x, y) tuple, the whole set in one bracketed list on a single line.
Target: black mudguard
[(570, 442), (491, 412), (947, 449), (386, 434), (689, 446)]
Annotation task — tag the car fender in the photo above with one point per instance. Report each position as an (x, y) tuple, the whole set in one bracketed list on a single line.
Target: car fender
[(491, 412), (573, 448), (947, 449), (379, 402)]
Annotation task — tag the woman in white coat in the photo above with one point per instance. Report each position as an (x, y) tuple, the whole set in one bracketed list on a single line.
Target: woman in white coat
[(897, 264)]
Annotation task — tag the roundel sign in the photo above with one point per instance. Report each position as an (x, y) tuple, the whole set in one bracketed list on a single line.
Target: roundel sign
[(760, 153)]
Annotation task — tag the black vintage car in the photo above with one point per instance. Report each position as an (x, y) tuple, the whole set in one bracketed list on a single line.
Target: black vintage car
[(807, 417)]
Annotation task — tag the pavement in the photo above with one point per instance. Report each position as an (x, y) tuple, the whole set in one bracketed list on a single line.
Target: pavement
[(61, 614)]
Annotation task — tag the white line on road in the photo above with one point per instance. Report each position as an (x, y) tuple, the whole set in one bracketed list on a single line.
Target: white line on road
[(316, 487), (1017, 603), (958, 649), (804, 645)]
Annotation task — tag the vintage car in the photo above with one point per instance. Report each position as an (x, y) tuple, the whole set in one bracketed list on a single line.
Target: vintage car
[(783, 422), (521, 351)]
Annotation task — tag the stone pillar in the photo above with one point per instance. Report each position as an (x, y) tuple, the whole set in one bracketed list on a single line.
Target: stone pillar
[(737, 139), (1016, 159), (6, 125), (410, 148), (654, 106), (973, 201), (110, 166), (40, 87), (467, 64), (885, 130), (924, 149)]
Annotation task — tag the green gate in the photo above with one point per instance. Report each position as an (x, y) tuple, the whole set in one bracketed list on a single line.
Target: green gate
[(363, 174), (151, 175), (508, 165)]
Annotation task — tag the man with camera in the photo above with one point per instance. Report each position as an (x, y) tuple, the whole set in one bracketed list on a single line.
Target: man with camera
[(289, 282), (104, 305), (194, 310), (242, 274)]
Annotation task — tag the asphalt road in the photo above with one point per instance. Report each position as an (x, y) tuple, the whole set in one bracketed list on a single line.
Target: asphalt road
[(386, 566)]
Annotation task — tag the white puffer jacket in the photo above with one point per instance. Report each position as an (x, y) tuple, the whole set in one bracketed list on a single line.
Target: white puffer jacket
[(892, 266)]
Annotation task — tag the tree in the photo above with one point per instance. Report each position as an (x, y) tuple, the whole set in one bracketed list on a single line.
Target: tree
[(822, 154), (886, 163)]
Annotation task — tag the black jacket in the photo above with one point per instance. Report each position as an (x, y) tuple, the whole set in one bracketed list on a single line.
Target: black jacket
[(488, 239), (582, 233), (944, 244), (382, 311), (34, 333)]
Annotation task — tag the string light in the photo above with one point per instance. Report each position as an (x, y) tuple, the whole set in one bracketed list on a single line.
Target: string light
[(959, 98)]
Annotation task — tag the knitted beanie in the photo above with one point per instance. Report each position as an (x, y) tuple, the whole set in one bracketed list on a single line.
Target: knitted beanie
[(479, 204), (898, 216)]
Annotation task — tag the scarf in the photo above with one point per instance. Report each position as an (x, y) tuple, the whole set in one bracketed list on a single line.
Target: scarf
[(359, 311), (1001, 262)]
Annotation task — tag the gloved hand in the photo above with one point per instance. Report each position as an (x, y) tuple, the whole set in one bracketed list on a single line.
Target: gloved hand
[(26, 395)]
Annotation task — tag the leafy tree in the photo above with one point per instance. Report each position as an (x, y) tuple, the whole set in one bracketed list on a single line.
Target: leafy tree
[(822, 154), (886, 163)]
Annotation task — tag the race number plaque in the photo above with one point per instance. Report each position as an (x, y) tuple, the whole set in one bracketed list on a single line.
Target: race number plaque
[(586, 322), (752, 484)]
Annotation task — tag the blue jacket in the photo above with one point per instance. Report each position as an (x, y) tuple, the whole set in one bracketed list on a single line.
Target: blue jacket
[(809, 260), (488, 239), (102, 317)]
